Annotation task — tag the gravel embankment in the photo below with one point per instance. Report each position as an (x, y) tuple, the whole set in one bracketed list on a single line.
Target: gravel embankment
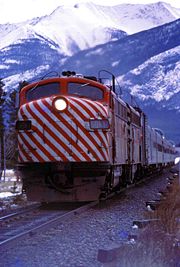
[(76, 242)]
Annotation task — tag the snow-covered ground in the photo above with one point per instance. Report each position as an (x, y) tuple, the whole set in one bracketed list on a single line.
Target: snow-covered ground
[(8, 194), (10, 191)]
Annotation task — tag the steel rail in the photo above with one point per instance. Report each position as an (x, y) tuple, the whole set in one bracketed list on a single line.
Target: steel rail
[(45, 226), (55, 221), (17, 213)]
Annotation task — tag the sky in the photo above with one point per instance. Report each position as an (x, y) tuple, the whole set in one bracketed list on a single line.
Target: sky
[(12, 11)]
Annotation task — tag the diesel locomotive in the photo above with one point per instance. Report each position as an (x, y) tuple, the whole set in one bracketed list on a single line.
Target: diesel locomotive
[(78, 140)]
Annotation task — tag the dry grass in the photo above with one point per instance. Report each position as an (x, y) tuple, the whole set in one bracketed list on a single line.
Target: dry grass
[(168, 211), (157, 245)]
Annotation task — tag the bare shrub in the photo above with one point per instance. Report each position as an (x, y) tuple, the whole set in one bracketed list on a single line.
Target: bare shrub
[(158, 244), (169, 210)]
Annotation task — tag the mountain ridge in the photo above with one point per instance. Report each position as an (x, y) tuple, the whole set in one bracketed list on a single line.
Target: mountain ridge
[(126, 18), (144, 40), (146, 62)]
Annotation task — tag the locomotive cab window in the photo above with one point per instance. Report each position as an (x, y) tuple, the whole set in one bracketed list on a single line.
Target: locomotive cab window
[(43, 90), (85, 90)]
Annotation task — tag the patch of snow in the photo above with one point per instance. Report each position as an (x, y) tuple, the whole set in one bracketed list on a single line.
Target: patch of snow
[(135, 226), (98, 51), (158, 78), (8, 194), (11, 61), (4, 67), (174, 11), (115, 63), (11, 81)]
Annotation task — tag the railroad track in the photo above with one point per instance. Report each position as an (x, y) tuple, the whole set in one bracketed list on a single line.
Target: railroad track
[(9, 216), (36, 219), (20, 225)]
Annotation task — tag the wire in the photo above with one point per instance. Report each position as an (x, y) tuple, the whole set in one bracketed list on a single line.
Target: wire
[(113, 76)]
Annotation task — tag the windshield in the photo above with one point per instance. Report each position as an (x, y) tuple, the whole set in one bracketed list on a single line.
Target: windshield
[(43, 90), (85, 90)]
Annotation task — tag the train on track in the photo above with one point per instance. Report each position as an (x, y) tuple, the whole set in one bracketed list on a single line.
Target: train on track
[(79, 141)]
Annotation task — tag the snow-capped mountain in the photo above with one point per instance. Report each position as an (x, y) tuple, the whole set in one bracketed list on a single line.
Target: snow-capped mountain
[(74, 28), (140, 44), (147, 65), (145, 57), (158, 79)]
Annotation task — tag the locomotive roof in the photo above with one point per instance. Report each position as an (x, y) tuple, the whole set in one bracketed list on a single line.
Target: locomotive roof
[(87, 79)]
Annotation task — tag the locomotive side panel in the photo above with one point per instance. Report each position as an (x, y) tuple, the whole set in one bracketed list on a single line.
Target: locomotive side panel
[(169, 152), (159, 149), (132, 143), (135, 130), (152, 145), (121, 132)]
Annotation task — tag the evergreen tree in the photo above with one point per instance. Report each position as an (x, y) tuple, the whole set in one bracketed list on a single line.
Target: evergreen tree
[(11, 110), (1, 104), (10, 132), (2, 99), (8, 136)]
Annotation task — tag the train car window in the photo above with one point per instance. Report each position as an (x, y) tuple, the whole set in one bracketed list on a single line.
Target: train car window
[(43, 90), (85, 90), (135, 119), (122, 111), (116, 108)]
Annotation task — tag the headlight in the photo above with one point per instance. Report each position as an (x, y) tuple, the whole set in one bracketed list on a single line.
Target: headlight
[(60, 104)]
